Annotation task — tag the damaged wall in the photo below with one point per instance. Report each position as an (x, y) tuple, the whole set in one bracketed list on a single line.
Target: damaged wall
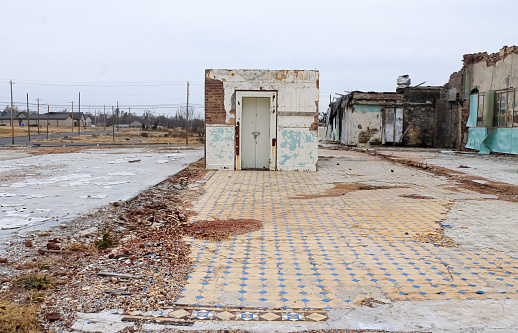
[(448, 108), (419, 116), (364, 124), (294, 139), (491, 101)]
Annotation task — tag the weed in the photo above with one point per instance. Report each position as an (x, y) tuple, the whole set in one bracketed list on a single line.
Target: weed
[(18, 318), (144, 134), (104, 241), (37, 296), (36, 281)]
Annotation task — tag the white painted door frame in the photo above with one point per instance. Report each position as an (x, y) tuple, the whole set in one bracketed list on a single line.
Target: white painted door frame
[(272, 95)]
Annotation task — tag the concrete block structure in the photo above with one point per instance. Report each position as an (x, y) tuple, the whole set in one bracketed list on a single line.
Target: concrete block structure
[(261, 119)]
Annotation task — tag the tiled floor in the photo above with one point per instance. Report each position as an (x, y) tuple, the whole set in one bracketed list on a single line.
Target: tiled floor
[(187, 314), (334, 252)]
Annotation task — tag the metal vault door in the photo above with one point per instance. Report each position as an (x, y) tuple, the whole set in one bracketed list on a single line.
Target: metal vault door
[(255, 133), (256, 128)]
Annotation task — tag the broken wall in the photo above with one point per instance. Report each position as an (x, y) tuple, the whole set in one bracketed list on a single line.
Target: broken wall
[(419, 116), (448, 113), (491, 101), (364, 124)]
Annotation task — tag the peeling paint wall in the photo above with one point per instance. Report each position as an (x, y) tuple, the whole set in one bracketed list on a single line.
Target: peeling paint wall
[(219, 147), (296, 108), (363, 124), (296, 149)]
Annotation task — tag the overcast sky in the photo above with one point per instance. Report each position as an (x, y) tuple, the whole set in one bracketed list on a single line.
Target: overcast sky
[(141, 53)]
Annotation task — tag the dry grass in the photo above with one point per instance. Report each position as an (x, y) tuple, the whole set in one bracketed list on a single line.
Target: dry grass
[(18, 318), (198, 165), (80, 247), (6, 131), (132, 136)]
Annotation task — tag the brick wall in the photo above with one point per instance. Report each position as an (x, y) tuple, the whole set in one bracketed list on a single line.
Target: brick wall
[(214, 102)]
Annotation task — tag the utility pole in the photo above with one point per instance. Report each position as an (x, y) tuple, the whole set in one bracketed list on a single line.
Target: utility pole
[(12, 111), (113, 125), (187, 117), (79, 118), (48, 111), (72, 116), (118, 130), (104, 106), (28, 119), (95, 117), (38, 115)]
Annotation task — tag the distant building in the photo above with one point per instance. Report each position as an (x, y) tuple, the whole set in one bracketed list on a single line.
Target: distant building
[(5, 118), (64, 119), (136, 124)]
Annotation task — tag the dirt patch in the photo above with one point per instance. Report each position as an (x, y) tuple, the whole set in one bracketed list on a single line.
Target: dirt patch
[(57, 150), (369, 302), (219, 230), (340, 189), (415, 196), (436, 238)]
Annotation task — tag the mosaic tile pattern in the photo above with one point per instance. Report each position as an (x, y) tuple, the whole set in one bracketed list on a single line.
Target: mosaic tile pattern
[(333, 252), (187, 315)]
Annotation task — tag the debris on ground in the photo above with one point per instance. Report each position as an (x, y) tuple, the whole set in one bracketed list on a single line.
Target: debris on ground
[(415, 196), (436, 238), (127, 255)]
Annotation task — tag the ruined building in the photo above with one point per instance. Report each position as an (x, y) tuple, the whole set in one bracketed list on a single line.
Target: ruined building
[(491, 101), (477, 109), (261, 119)]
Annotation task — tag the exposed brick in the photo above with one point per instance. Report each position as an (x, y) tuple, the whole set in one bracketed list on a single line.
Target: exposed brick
[(214, 102)]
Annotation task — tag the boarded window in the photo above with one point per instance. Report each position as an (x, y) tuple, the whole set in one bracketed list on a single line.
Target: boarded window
[(501, 112)]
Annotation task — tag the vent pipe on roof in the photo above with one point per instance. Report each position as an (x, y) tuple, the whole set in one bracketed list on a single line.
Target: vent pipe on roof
[(403, 81)]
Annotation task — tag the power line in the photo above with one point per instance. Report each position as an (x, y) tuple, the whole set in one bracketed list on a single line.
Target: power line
[(103, 84)]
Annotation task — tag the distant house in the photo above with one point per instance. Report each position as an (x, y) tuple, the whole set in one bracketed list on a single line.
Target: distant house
[(19, 118), (64, 119), (5, 118), (136, 124)]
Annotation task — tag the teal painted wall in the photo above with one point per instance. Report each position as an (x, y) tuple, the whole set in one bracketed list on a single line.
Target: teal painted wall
[(473, 108), (501, 140), (475, 137), (367, 108)]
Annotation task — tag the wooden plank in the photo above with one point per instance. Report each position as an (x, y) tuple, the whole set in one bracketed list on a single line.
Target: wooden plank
[(118, 275)]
